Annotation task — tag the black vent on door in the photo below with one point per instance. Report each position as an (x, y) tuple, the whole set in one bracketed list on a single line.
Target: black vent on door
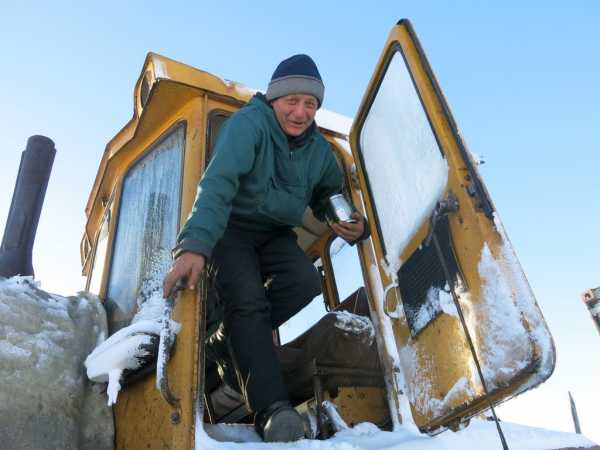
[(421, 280)]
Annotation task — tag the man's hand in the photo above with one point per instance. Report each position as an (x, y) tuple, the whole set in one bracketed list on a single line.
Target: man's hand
[(187, 265), (349, 231)]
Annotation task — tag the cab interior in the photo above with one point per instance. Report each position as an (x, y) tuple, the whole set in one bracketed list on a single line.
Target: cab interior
[(328, 350)]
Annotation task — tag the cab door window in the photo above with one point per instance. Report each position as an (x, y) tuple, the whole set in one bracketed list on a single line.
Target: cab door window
[(148, 221), (406, 170)]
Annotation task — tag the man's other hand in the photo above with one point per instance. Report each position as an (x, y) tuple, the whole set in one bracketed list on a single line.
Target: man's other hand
[(187, 265), (350, 231)]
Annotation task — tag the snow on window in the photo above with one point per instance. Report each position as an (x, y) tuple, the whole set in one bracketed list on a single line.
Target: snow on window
[(406, 170), (146, 229)]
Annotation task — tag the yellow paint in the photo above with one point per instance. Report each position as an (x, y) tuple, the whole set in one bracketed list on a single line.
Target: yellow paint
[(361, 404), (444, 340)]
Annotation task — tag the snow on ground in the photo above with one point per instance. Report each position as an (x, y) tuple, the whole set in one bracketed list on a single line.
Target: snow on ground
[(45, 398), (480, 435)]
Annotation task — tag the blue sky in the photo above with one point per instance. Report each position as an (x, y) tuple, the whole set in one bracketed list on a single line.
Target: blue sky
[(522, 78)]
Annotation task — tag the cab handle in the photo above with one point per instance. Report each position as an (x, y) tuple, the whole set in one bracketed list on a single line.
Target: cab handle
[(167, 339)]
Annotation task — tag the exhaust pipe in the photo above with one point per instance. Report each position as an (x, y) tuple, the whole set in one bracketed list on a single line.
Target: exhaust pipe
[(24, 214)]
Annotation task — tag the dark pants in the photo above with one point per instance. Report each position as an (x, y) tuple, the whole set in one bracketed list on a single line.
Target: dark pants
[(263, 279)]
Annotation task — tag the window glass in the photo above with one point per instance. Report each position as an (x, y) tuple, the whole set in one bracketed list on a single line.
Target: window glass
[(100, 255), (404, 165), (306, 318), (146, 229), (216, 119), (346, 268)]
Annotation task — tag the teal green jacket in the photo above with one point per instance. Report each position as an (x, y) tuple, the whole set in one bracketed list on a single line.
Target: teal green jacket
[(259, 180)]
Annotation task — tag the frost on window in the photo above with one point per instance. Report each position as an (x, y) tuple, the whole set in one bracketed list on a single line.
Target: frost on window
[(100, 255), (146, 229), (405, 168)]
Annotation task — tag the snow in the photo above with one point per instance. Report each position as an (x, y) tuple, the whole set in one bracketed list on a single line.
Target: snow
[(240, 88), (334, 417), (398, 144), (446, 302), (393, 373), (148, 221), (506, 349), (125, 348), (333, 121), (476, 159), (509, 271), (479, 435), (45, 399), (437, 300), (506, 327), (110, 359), (160, 69), (355, 324), (453, 396)]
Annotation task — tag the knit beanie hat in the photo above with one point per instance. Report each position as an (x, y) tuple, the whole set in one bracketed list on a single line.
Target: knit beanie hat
[(296, 75)]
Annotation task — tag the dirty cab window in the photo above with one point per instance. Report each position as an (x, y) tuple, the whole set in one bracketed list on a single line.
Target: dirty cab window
[(146, 229)]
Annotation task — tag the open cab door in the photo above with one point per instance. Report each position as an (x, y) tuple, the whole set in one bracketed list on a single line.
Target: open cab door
[(446, 289)]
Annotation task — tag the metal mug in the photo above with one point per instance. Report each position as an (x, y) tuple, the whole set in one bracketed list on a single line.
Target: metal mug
[(339, 209)]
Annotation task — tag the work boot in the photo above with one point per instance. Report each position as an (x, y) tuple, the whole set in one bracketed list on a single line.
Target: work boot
[(217, 350), (279, 422)]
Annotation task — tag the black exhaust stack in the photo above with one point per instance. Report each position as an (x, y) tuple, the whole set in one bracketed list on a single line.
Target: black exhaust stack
[(26, 206)]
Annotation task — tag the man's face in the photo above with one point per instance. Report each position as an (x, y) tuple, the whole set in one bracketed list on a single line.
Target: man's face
[(295, 112)]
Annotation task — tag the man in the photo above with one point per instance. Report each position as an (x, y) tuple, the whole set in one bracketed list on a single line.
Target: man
[(270, 162)]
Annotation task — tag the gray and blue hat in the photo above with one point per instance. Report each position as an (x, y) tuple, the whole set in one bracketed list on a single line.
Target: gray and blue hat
[(296, 75)]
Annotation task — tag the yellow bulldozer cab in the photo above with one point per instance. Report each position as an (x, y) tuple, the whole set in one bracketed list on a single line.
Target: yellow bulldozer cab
[(436, 242)]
